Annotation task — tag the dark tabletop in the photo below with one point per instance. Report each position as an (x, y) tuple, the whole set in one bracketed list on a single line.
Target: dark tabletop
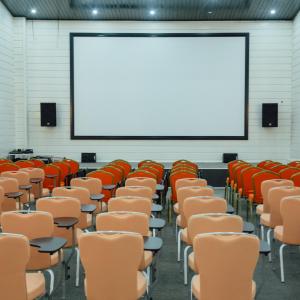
[(156, 208), (230, 209), (48, 245), (96, 197), (51, 175), (25, 187), (152, 243), (108, 186), (155, 197), (14, 194), (65, 222), (264, 248), (160, 187), (88, 208), (35, 180), (157, 223), (248, 227)]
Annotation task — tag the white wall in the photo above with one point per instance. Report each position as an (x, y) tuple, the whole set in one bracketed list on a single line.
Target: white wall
[(7, 133), (295, 145), (270, 81)]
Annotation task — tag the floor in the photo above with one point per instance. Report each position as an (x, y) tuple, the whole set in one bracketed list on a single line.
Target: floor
[(170, 286)]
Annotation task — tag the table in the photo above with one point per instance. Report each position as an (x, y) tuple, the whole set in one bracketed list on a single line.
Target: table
[(49, 244), (152, 243), (156, 208), (157, 223), (97, 197), (108, 187), (65, 222), (160, 188), (88, 208)]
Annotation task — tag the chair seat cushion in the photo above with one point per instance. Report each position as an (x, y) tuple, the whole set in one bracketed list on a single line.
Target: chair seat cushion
[(260, 209), (196, 287), (191, 261), (176, 208), (35, 283), (278, 233), (184, 236), (141, 285), (178, 220), (265, 219), (148, 256)]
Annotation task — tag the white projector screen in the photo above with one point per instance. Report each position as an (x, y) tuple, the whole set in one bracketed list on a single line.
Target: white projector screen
[(159, 86)]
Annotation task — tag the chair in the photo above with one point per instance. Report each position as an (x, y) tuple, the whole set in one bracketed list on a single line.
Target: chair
[(278, 168), (126, 166), (74, 166), (139, 191), (1, 200), (294, 163), (37, 163), (9, 185), (143, 173), (266, 185), (63, 207), (142, 181), (217, 272), (33, 225), (130, 203), (116, 276), (204, 223), (23, 179), (8, 167), (117, 172), (158, 167), (37, 177), (83, 195), (197, 205), (185, 162), (65, 172), (25, 163), (296, 179), (15, 283), (288, 172), (274, 217), (94, 185), (263, 163), (289, 232), (4, 161), (127, 221), (52, 177)]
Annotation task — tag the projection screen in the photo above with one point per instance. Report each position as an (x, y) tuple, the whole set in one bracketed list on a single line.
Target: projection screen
[(159, 86)]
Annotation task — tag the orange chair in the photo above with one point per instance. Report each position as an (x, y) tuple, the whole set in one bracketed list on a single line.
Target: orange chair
[(52, 177), (158, 167), (37, 163), (25, 163), (146, 161), (288, 232), (15, 283), (105, 269), (142, 181), (74, 166), (120, 168), (216, 272), (34, 225), (263, 163), (106, 178), (205, 223), (4, 161), (296, 179), (143, 173), (118, 174), (288, 172), (125, 165), (65, 172), (151, 169), (278, 168), (185, 162), (270, 165), (8, 167), (246, 181), (294, 163), (9, 185)]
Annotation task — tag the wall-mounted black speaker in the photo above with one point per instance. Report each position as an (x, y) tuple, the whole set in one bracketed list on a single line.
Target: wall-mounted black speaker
[(88, 157), (48, 114), (270, 115), (227, 157)]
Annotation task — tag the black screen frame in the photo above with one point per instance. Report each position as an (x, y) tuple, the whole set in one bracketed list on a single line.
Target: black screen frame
[(246, 35)]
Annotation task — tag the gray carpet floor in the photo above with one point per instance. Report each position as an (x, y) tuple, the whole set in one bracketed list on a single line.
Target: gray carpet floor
[(169, 285)]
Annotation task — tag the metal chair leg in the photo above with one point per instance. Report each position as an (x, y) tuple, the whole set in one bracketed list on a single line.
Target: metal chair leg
[(179, 245), (185, 264), (281, 262)]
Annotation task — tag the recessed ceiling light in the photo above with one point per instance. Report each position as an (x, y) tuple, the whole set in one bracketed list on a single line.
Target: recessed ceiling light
[(273, 11), (33, 11), (152, 12), (95, 12), (210, 12)]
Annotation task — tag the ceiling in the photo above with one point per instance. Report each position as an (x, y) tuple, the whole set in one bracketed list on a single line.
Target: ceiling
[(146, 10)]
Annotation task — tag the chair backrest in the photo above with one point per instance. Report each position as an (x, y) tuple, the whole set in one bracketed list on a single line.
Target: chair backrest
[(185, 182), (33, 225), (278, 168), (158, 167), (9, 185), (118, 174), (65, 170), (231, 166), (288, 172), (192, 191), (61, 207), (14, 256), (123, 221), (105, 269), (290, 211), (237, 174), (52, 170), (94, 185), (294, 163), (80, 193), (296, 179), (185, 162), (2, 197), (126, 166), (223, 258), (266, 185), (37, 163), (213, 222), (130, 203), (201, 205), (246, 180), (36, 173), (8, 167), (74, 165), (263, 163), (142, 181), (275, 196), (139, 191), (25, 163), (142, 173), (5, 160)]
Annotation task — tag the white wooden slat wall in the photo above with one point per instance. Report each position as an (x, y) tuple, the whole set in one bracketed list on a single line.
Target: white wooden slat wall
[(47, 65), (295, 145), (7, 119)]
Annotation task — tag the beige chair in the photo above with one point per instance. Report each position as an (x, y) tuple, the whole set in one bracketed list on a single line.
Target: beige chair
[(187, 182), (83, 195), (116, 276), (139, 191), (9, 185), (197, 205), (265, 187), (223, 259), (94, 185), (142, 181), (127, 221), (63, 207), (274, 218), (205, 223), (289, 232), (131, 203), (38, 175), (1, 200), (33, 225), (15, 283)]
